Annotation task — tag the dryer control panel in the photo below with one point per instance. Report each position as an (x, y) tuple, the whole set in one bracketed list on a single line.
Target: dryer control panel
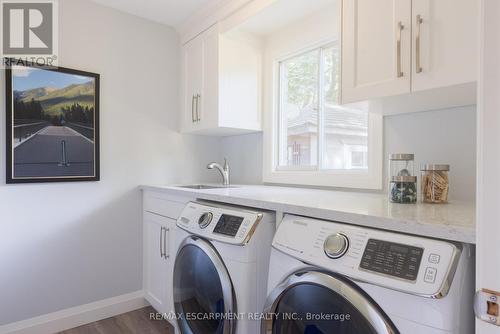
[(225, 224), (412, 264)]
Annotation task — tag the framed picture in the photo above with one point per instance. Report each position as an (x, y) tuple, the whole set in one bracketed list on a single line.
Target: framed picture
[(52, 124)]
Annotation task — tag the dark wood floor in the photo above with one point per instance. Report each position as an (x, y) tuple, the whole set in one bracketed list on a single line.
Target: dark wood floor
[(135, 322)]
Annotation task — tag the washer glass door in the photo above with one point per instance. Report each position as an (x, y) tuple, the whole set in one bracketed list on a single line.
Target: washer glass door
[(203, 292), (317, 303)]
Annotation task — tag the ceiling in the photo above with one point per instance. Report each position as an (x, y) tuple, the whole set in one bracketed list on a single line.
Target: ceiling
[(169, 12), (282, 13)]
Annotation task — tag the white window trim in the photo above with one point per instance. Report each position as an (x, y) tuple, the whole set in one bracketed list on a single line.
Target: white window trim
[(349, 150), (360, 179)]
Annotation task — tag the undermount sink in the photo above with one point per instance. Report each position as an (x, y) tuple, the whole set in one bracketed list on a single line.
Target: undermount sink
[(204, 186)]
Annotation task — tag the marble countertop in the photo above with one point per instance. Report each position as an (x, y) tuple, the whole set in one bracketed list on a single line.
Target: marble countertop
[(453, 221)]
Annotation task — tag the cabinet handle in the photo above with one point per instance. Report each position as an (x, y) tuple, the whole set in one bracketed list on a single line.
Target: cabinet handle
[(398, 49), (192, 109), (161, 242), (198, 117), (166, 254), (418, 67)]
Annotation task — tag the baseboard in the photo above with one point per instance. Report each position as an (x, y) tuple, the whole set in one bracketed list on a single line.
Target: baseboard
[(77, 316)]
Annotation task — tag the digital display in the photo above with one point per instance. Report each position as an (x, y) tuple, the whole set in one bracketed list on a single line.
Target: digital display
[(228, 225), (399, 249), (392, 259)]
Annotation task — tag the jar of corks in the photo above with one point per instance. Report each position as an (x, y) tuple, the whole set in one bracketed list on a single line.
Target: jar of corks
[(435, 184)]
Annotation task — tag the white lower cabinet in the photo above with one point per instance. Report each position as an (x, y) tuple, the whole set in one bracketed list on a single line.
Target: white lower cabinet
[(160, 212), (158, 260)]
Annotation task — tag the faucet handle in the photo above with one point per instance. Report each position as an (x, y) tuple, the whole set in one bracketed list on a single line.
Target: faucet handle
[(226, 165)]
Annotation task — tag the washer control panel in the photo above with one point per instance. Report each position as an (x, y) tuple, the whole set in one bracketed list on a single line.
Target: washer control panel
[(390, 258), (401, 262), (230, 225)]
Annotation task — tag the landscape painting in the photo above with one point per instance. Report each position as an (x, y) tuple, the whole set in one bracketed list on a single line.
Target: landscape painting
[(52, 124)]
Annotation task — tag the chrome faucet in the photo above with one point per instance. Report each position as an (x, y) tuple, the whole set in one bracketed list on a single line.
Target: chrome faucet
[(224, 171)]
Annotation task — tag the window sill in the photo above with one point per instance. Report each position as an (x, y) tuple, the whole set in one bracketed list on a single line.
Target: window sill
[(337, 178)]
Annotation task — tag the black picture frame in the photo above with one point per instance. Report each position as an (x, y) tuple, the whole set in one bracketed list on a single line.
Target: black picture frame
[(9, 97)]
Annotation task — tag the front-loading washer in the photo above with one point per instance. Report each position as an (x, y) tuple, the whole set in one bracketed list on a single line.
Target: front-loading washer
[(221, 268), (328, 277)]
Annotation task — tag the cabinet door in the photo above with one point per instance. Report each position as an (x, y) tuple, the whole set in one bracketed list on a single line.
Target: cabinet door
[(208, 111), (376, 48), (445, 43), (157, 278), (192, 76)]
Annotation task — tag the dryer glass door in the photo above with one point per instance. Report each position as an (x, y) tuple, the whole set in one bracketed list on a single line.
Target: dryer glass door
[(203, 292), (319, 303)]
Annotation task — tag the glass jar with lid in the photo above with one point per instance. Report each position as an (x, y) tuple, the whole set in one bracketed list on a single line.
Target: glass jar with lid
[(435, 184), (402, 180)]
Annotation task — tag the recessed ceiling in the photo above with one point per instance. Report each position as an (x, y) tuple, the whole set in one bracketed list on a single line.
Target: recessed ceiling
[(169, 12)]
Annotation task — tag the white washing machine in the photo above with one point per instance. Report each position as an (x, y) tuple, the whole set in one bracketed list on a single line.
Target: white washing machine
[(221, 268), (328, 277)]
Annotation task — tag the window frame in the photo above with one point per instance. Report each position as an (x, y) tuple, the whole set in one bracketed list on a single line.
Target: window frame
[(370, 178)]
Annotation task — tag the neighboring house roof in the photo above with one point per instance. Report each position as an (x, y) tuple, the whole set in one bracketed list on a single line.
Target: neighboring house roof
[(340, 121)]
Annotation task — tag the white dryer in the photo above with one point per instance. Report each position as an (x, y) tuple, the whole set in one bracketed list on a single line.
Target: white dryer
[(328, 277), (221, 268)]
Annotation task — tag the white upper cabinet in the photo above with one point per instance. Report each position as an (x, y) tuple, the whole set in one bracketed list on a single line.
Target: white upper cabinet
[(376, 48), (445, 42), (221, 87), (403, 55), (393, 47), (193, 65)]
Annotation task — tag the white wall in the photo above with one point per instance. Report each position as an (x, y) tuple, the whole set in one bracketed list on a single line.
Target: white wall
[(446, 136), (441, 136), (244, 154), (67, 244)]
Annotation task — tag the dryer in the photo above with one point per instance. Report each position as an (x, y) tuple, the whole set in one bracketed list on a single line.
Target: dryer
[(221, 268), (327, 277)]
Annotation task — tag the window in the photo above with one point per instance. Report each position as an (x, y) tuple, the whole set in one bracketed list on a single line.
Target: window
[(298, 109), (313, 135), (314, 131)]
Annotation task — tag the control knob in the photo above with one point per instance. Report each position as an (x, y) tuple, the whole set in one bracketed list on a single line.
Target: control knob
[(205, 220), (336, 245)]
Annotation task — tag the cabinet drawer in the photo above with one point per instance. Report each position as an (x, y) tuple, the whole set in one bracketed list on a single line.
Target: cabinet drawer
[(165, 205)]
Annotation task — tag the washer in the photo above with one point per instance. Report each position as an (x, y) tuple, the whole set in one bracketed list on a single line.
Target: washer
[(221, 268), (386, 282)]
